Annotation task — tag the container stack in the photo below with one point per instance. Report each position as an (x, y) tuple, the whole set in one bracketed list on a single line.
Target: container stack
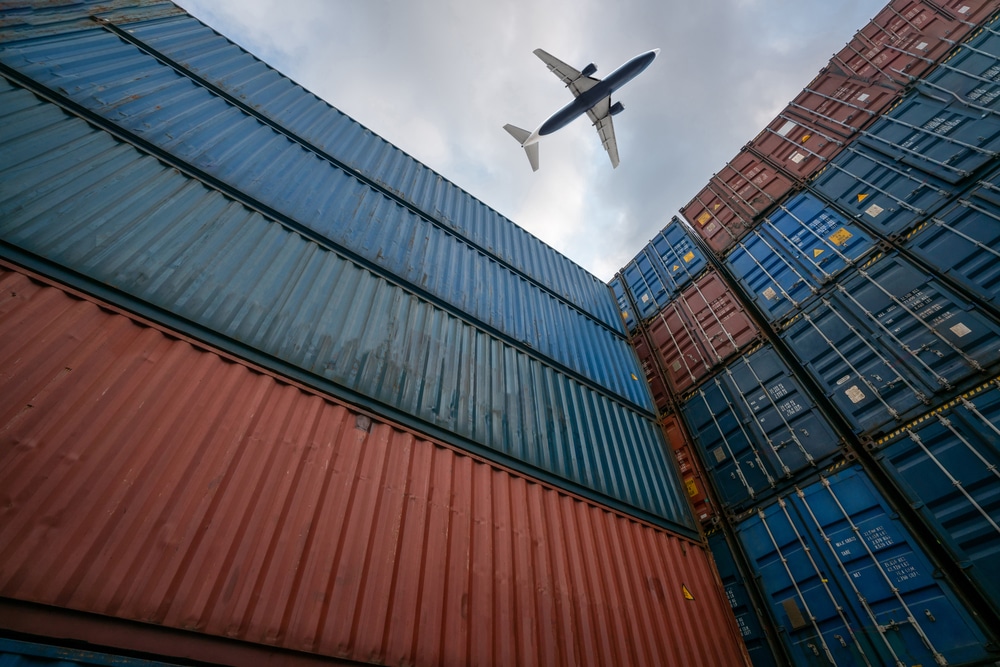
[(846, 422), (276, 391)]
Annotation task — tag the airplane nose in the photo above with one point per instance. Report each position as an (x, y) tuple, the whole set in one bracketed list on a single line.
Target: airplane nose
[(656, 51)]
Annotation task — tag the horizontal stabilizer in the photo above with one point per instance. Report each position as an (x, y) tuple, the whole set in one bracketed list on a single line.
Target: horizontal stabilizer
[(517, 133)]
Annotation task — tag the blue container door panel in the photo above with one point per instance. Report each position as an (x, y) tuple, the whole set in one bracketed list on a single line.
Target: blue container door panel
[(890, 337), (973, 73), (963, 242), (644, 285), (942, 337), (864, 381), (845, 576), (756, 429), (795, 433), (812, 612), (735, 586), (727, 446), (624, 308), (680, 259), (795, 253), (939, 136), (949, 468), (887, 196)]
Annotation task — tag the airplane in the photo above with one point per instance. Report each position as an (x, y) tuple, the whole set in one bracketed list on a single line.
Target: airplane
[(593, 97)]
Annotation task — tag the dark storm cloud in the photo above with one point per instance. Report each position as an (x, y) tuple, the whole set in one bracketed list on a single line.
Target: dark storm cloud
[(439, 79)]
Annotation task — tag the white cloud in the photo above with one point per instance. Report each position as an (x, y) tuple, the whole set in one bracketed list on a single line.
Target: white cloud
[(439, 79)]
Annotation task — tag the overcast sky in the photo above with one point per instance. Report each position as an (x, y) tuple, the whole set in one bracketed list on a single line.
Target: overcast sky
[(440, 78)]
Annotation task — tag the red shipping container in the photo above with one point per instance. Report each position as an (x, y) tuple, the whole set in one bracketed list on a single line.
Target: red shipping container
[(654, 378), (908, 38), (727, 207), (145, 477), (690, 469), (699, 330)]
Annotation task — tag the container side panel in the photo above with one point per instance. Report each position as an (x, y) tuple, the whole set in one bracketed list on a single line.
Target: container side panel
[(130, 222), (146, 478), (197, 126)]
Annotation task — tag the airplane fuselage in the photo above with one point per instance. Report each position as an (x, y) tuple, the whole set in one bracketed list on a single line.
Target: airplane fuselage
[(588, 99)]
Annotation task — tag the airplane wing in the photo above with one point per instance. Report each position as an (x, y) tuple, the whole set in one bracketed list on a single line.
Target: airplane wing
[(572, 77), (600, 115)]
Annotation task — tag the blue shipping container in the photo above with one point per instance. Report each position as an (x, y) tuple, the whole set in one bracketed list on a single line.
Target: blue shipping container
[(890, 341), (747, 616), (794, 253), (963, 241), (213, 57), (645, 286), (756, 428), (618, 291), (662, 269), (540, 298), (676, 256), (972, 72), (886, 196), (848, 585), (79, 198), (15, 653), (948, 466), (940, 136)]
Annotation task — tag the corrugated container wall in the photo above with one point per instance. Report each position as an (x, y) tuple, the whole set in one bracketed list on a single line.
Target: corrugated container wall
[(857, 236), (143, 163), (145, 477)]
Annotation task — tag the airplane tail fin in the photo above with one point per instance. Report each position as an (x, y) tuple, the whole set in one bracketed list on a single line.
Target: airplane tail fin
[(522, 136)]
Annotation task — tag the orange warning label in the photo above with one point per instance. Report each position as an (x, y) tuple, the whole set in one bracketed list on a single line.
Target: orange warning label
[(840, 237)]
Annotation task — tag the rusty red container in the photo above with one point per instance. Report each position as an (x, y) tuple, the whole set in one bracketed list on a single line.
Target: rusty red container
[(690, 469), (651, 370), (699, 330), (147, 477), (727, 207)]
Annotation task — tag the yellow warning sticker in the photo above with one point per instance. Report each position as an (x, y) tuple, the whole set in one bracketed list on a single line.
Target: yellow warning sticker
[(634, 377), (716, 206), (703, 218), (624, 314), (805, 138), (691, 487), (840, 237), (675, 267), (689, 256), (862, 197), (686, 592), (817, 252)]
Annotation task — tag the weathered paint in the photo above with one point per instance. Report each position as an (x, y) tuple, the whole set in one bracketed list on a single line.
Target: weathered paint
[(145, 477), (130, 222), (449, 243)]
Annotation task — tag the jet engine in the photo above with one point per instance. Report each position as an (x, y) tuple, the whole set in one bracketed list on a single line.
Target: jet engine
[(616, 108), (588, 70)]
